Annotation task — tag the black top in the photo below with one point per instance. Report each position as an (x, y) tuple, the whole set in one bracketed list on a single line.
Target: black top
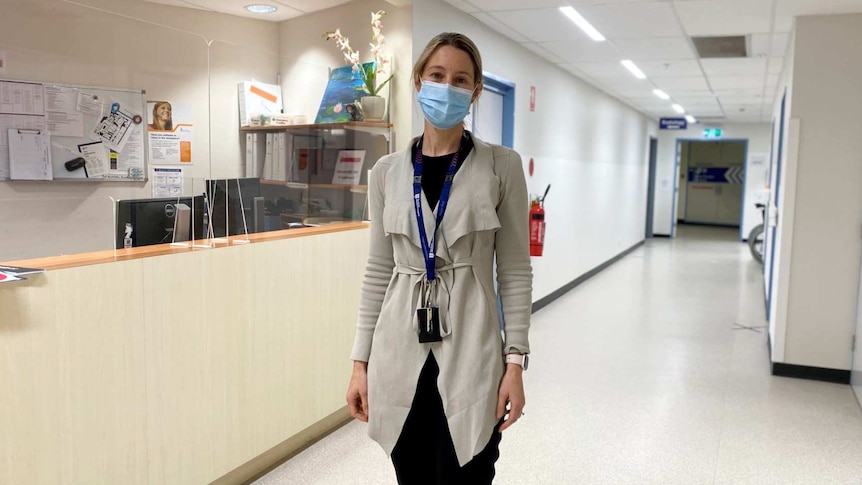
[(434, 169)]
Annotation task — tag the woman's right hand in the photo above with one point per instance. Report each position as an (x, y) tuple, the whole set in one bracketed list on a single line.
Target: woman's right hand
[(357, 392)]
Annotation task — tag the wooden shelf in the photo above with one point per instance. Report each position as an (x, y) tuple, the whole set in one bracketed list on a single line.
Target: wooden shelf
[(320, 126), (358, 188)]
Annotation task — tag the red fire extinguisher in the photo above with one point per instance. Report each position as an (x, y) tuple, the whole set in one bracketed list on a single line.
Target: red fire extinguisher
[(537, 225)]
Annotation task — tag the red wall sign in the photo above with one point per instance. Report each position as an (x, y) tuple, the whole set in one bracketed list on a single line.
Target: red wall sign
[(532, 98), (532, 167)]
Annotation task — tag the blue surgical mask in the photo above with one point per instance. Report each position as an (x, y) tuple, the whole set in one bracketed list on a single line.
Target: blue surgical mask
[(443, 105)]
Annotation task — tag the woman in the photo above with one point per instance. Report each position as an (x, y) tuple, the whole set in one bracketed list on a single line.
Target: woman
[(161, 117), (432, 376)]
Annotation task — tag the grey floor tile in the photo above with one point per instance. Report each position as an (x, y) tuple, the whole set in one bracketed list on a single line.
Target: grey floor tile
[(640, 376)]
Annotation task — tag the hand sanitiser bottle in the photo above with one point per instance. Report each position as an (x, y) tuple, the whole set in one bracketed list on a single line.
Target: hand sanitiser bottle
[(127, 240)]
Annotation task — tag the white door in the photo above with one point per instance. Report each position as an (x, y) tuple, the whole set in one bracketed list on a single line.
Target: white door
[(488, 117), (856, 372)]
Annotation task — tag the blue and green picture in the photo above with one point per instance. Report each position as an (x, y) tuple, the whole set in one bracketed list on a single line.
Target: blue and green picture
[(345, 87)]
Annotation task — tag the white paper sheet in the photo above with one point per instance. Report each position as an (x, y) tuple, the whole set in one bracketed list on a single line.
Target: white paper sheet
[(64, 119), (167, 182), (30, 155), (97, 157), (89, 103), (14, 121), (22, 98), (115, 129)]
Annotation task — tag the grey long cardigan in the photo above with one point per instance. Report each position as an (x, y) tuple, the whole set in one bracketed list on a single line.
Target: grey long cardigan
[(487, 214)]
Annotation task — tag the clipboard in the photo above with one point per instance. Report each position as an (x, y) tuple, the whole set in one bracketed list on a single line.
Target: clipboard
[(30, 155)]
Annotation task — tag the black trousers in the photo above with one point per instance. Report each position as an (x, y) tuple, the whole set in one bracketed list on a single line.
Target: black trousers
[(424, 453)]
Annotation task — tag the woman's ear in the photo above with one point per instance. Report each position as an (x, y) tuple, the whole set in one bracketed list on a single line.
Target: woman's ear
[(477, 92)]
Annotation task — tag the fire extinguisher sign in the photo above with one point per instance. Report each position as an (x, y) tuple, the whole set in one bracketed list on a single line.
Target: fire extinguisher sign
[(532, 98)]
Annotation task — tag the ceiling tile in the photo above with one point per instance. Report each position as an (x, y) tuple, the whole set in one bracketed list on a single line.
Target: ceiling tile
[(284, 12), (734, 67), (546, 54), (305, 6), (640, 87), (500, 5), (768, 45), (463, 6), (730, 83), (672, 84), (543, 25), (638, 19), (604, 69), (500, 27), (787, 9), (776, 65), (725, 17), (654, 49), (583, 51), (670, 68)]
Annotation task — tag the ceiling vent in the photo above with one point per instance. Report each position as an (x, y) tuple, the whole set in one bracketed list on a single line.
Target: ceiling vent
[(721, 47)]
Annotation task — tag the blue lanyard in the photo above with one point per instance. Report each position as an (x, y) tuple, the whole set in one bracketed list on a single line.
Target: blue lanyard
[(429, 250)]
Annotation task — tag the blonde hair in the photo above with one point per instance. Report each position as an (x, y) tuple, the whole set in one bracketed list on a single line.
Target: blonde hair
[(458, 41)]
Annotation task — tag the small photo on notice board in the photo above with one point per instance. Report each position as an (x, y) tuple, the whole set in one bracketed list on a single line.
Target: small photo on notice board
[(170, 128)]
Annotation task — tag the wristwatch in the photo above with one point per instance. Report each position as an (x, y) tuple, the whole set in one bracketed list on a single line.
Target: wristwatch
[(521, 359)]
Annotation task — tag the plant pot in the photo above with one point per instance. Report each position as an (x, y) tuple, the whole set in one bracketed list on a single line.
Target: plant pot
[(373, 107)]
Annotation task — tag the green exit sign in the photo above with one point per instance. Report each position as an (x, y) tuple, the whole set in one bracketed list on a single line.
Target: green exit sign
[(713, 133)]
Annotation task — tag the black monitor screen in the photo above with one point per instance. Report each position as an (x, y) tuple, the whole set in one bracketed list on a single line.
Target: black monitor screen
[(228, 207), (153, 220)]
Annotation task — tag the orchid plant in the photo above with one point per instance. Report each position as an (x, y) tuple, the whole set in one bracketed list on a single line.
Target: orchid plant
[(371, 73)]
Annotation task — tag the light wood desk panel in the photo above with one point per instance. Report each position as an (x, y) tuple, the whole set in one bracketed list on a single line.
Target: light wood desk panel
[(177, 368)]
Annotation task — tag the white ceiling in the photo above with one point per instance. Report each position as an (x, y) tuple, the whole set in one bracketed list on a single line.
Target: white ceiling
[(287, 9), (655, 35)]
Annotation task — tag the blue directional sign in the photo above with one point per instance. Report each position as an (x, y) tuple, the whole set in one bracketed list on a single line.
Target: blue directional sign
[(716, 175), (673, 123)]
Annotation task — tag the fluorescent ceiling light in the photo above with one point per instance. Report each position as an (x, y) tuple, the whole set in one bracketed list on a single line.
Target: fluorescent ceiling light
[(661, 94), (581, 22), (257, 8), (679, 109), (690, 119), (634, 69)]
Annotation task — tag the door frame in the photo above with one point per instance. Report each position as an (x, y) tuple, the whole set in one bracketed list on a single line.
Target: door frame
[(679, 142), (774, 196), (652, 168), (506, 89)]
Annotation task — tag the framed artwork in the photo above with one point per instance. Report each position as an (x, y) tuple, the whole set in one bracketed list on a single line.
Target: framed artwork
[(343, 90)]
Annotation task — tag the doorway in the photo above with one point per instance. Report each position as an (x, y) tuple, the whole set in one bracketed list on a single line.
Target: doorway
[(493, 118), (653, 152), (711, 182)]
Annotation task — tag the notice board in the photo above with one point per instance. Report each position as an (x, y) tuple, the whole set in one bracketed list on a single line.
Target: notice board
[(96, 134)]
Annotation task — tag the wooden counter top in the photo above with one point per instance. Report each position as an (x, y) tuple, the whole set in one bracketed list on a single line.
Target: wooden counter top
[(111, 255)]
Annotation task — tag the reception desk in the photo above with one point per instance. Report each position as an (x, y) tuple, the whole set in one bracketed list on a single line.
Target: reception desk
[(165, 365)]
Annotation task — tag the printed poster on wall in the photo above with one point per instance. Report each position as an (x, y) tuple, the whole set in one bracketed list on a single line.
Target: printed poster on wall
[(170, 128)]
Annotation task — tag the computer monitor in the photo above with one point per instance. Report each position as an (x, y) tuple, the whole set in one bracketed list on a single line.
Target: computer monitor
[(227, 211), (153, 221)]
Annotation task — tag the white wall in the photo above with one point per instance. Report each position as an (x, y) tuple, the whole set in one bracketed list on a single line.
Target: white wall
[(822, 269), (183, 55), (592, 148), (306, 56), (668, 175)]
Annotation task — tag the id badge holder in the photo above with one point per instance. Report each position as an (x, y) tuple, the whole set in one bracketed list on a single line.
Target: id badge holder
[(429, 325), (429, 320)]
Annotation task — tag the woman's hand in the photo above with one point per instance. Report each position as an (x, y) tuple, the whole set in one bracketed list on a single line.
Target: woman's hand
[(357, 392), (512, 393)]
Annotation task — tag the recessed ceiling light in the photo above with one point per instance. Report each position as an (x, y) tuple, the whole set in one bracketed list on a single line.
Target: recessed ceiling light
[(661, 94), (679, 109), (258, 8), (690, 119), (633, 69), (581, 22)]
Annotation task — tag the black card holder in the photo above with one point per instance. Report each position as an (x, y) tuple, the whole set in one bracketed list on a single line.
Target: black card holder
[(429, 325)]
